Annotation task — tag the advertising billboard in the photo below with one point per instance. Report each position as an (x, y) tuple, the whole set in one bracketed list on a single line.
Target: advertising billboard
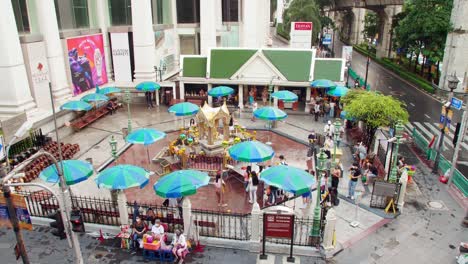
[(347, 53), (121, 57), (22, 212), (301, 35), (87, 62)]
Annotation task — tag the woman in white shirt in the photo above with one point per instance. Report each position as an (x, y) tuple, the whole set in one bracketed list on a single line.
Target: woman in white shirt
[(180, 245), (157, 230)]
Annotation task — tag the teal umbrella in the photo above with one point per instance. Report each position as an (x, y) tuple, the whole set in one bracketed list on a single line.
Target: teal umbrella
[(338, 91), (184, 109), (145, 136), (147, 86), (76, 106), (323, 83), (109, 90), (94, 97), (251, 151), (181, 183), (285, 96), (344, 115), (220, 91), (288, 178), (122, 177), (74, 171), (270, 113)]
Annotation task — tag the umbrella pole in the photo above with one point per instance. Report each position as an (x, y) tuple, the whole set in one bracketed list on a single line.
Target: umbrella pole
[(149, 161), (269, 132)]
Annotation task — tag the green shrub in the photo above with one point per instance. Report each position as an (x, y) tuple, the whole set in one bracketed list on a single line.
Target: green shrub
[(281, 31)]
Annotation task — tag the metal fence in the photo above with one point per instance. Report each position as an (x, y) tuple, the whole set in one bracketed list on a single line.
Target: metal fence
[(302, 228), (222, 224)]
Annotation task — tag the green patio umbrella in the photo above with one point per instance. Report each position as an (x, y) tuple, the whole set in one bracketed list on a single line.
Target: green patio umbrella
[(76, 106), (322, 83), (145, 136), (251, 151), (74, 171), (109, 90), (288, 178), (220, 91), (122, 177), (285, 96), (181, 183), (147, 86), (338, 91)]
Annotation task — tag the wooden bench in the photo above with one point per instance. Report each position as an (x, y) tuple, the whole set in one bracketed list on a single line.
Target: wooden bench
[(92, 116)]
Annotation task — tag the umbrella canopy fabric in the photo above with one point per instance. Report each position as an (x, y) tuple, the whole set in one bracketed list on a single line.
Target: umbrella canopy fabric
[(220, 91), (122, 177), (251, 151), (344, 115), (145, 136), (94, 97), (290, 179), (184, 109), (74, 171), (285, 96), (323, 83), (181, 183), (109, 90), (338, 91), (76, 106), (270, 113), (148, 86)]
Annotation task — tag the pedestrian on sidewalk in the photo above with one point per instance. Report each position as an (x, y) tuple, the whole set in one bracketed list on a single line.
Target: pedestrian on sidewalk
[(317, 110), (355, 173), (328, 129), (254, 107), (219, 187), (326, 111), (332, 108), (336, 175), (149, 101), (253, 183)]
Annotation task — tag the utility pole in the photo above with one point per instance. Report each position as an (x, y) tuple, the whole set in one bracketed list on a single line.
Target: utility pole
[(460, 141)]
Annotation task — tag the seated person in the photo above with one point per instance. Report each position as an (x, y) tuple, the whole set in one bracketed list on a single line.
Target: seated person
[(157, 230), (111, 107), (180, 245), (139, 229)]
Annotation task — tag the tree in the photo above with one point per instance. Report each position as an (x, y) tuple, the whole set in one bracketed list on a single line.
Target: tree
[(371, 25), (306, 11), (375, 110)]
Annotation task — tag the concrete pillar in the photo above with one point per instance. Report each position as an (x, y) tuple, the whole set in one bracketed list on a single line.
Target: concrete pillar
[(254, 29), (279, 11), (210, 98), (102, 9), (456, 47), (386, 16), (143, 41), (182, 90), (122, 206), (404, 183), (329, 233), (176, 34), (257, 218), (50, 31), (187, 214), (275, 100), (240, 96), (357, 26), (207, 25), (174, 87), (157, 97), (14, 89)]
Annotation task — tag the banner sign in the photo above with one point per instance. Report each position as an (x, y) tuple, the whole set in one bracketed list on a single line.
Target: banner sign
[(301, 35), (327, 39), (279, 226), (347, 53), (19, 202), (121, 57), (87, 62)]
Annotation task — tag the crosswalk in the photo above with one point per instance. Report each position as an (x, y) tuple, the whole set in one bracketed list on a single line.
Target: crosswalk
[(428, 130)]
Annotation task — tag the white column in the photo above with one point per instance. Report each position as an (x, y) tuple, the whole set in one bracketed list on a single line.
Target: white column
[(176, 33), (50, 31), (307, 99), (122, 205), (207, 25), (279, 11), (102, 9), (143, 41), (240, 96), (210, 98), (174, 90), (14, 89), (329, 232), (157, 97), (275, 100), (182, 90), (249, 24), (255, 224), (187, 215)]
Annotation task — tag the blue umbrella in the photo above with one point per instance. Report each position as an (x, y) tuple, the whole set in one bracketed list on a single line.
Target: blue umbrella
[(288, 178), (147, 86), (220, 91), (145, 136), (74, 171), (181, 183), (184, 109), (109, 90), (323, 83), (270, 113), (122, 177), (285, 96), (338, 91), (251, 151), (76, 106), (94, 97), (344, 115)]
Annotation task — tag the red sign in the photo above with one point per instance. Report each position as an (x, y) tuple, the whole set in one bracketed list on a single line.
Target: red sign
[(279, 226), (303, 26)]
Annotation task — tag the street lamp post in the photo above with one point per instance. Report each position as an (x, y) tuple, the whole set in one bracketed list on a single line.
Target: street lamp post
[(367, 64), (398, 135), (348, 64), (129, 117), (452, 85), (336, 133), (319, 169), (113, 145), (160, 70)]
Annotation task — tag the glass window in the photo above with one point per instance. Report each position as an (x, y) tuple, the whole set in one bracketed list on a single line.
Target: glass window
[(72, 14), (21, 15), (161, 11), (230, 10), (188, 11), (120, 12)]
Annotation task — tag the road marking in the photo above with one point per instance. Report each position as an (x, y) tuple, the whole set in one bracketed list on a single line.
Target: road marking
[(427, 116), (413, 105)]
